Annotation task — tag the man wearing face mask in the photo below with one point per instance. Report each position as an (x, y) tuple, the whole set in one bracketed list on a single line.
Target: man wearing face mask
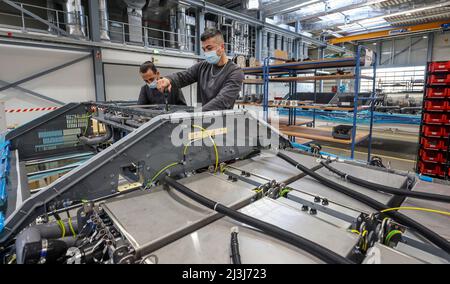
[(149, 94), (218, 79)]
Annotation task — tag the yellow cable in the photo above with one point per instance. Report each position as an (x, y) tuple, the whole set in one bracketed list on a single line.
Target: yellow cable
[(189, 144), (13, 258), (416, 209), (63, 228), (71, 227), (214, 144), (355, 231), (160, 172)]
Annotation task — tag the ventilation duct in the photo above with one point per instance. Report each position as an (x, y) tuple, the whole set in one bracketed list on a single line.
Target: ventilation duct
[(181, 28), (104, 23), (51, 14), (173, 28), (75, 18), (134, 13)]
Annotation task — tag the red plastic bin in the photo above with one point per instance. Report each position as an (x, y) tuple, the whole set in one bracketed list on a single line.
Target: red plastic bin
[(432, 143), (440, 66), (433, 131), (435, 118), (436, 105), (431, 156), (439, 79), (430, 169), (437, 93)]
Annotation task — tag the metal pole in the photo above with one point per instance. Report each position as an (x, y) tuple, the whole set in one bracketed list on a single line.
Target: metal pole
[(355, 99), (266, 88), (123, 33), (57, 23), (23, 17), (372, 103), (164, 40)]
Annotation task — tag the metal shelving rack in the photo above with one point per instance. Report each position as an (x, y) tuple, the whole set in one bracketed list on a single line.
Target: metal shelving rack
[(444, 141), (292, 70)]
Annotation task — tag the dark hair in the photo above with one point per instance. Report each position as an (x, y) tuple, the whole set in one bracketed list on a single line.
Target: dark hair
[(209, 33), (147, 65)]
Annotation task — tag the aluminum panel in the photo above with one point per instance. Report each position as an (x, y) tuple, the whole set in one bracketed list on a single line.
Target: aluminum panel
[(211, 245), (148, 218), (436, 222)]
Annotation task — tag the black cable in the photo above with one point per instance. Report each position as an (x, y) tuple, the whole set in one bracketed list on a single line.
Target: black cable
[(234, 243), (398, 217), (387, 189), (319, 251)]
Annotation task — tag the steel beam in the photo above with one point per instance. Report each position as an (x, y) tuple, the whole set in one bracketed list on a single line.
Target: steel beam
[(94, 20), (36, 17), (387, 33), (100, 95), (200, 21), (40, 74), (34, 93), (430, 47)]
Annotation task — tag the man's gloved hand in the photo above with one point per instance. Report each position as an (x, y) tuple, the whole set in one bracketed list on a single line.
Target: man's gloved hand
[(164, 84)]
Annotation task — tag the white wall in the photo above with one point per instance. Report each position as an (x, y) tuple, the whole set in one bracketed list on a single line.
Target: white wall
[(71, 84), (122, 79), (441, 49)]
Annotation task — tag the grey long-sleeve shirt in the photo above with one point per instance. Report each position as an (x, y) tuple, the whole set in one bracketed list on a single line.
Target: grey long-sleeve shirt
[(217, 87)]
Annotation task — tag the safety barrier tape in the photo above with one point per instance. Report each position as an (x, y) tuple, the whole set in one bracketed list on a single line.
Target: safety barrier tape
[(30, 109)]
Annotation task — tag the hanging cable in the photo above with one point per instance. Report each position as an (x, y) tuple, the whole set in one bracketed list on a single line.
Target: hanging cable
[(315, 249), (402, 219), (386, 189)]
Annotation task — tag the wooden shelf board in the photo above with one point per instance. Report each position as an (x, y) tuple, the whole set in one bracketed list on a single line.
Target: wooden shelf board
[(320, 134)]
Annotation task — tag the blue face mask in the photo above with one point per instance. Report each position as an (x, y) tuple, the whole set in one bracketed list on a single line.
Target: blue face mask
[(152, 85), (212, 57)]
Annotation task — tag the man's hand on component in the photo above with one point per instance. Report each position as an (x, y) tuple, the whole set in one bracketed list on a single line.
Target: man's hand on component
[(164, 84)]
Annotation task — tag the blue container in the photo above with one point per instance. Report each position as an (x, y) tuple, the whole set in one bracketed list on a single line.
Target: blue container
[(2, 222), (3, 192)]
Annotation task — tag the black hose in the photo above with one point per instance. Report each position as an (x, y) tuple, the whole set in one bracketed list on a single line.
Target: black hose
[(398, 217), (320, 252), (234, 243), (387, 189)]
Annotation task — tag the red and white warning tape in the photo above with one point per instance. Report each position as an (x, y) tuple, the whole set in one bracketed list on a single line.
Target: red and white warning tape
[(30, 109)]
